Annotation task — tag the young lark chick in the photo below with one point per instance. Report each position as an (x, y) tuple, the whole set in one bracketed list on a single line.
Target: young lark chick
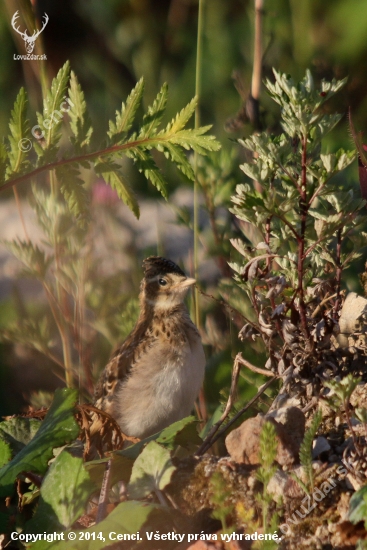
[(154, 378)]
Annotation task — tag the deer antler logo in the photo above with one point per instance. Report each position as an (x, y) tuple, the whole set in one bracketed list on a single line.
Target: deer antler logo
[(29, 40)]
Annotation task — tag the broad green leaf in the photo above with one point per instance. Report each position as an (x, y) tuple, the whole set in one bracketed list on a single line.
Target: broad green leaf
[(358, 506), (19, 140), (111, 173), (183, 433), (329, 162), (80, 122), (64, 494), (217, 413), (152, 471), (127, 518), (5, 453), (125, 118), (17, 432), (58, 428)]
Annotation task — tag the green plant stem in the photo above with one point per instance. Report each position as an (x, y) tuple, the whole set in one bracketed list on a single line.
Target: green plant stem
[(62, 300), (57, 315), (197, 125)]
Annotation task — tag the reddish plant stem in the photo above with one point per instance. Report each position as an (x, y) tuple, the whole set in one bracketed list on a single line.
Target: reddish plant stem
[(83, 158), (304, 206), (268, 265), (254, 301), (267, 239)]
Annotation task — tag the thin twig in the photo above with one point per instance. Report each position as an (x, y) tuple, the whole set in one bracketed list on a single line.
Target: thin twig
[(230, 308), (219, 434), (252, 367), (208, 440), (324, 301), (261, 390)]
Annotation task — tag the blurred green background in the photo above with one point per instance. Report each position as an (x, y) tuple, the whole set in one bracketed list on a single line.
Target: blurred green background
[(112, 43)]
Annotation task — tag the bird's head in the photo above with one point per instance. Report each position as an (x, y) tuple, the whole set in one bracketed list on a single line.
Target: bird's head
[(164, 285)]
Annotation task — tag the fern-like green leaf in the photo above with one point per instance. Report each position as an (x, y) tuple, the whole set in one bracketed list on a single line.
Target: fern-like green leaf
[(34, 259), (111, 173), (145, 164), (80, 122), (178, 157), (305, 452), (50, 120), (125, 118), (19, 136), (181, 118), (154, 114), (33, 333), (72, 187), (194, 139)]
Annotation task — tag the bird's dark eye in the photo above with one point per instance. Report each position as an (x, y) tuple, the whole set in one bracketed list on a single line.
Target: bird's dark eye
[(162, 282)]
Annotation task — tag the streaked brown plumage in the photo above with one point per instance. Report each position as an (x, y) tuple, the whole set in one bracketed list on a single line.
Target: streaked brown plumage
[(154, 378)]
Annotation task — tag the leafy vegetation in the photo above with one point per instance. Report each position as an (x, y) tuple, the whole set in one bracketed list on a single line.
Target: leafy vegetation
[(62, 212), (308, 231), (305, 452), (301, 230)]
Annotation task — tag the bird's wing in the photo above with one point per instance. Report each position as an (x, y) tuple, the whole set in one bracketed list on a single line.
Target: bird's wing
[(138, 344)]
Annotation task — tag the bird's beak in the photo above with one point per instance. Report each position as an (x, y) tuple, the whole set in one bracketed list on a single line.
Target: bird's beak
[(187, 282)]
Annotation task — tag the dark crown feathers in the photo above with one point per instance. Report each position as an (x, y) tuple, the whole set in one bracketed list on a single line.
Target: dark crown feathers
[(155, 265)]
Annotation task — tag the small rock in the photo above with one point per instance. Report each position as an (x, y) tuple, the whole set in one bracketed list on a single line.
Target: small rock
[(243, 443), (321, 445), (353, 309), (294, 422), (322, 535), (359, 396), (277, 485)]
